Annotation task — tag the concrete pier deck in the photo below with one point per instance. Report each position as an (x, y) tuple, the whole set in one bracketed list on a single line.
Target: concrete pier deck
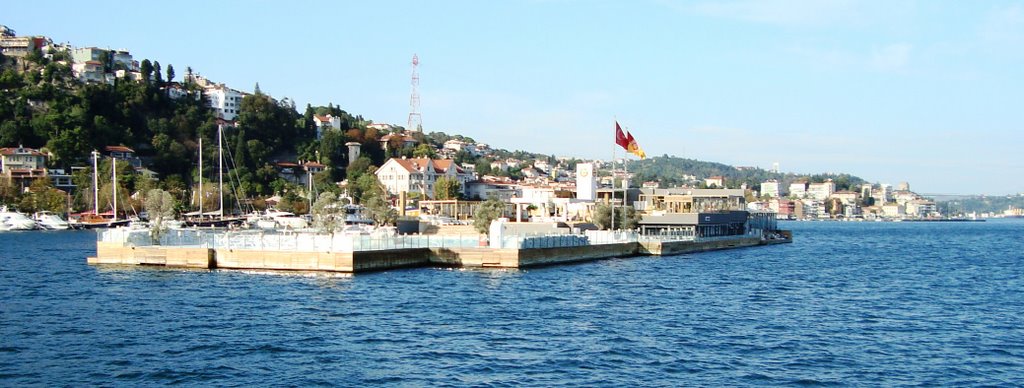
[(384, 259)]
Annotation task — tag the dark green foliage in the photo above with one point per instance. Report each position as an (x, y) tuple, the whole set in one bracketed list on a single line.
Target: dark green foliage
[(625, 217), (446, 188), (671, 171)]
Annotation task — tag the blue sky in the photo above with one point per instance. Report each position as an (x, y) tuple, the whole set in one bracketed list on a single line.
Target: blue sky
[(928, 92)]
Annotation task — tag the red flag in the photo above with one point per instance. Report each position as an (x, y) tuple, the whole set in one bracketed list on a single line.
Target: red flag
[(620, 138)]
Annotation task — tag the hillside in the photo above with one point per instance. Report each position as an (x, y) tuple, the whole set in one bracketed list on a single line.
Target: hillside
[(44, 105)]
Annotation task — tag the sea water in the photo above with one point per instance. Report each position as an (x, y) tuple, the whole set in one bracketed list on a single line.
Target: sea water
[(846, 303)]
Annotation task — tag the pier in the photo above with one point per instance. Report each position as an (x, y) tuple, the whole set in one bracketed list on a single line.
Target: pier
[(210, 249)]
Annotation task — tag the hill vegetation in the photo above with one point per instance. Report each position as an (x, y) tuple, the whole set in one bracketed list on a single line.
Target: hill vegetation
[(43, 105)]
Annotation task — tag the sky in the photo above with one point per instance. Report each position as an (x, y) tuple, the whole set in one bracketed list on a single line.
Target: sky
[(925, 92)]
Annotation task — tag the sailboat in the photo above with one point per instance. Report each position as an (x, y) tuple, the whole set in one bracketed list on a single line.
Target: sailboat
[(95, 219), (214, 218)]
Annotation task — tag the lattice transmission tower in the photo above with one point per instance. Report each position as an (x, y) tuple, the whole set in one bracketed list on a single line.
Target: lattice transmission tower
[(415, 120)]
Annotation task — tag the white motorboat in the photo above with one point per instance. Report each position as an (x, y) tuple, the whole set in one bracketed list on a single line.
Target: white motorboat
[(13, 220), (276, 219), (50, 221)]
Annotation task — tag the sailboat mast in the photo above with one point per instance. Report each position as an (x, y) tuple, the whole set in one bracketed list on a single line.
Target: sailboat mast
[(220, 168), (200, 196), (95, 183), (113, 180)]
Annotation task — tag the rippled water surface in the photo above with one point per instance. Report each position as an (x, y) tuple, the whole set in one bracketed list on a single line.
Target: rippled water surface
[(847, 303)]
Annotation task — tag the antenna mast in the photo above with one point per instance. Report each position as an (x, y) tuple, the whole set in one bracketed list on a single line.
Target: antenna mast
[(415, 120)]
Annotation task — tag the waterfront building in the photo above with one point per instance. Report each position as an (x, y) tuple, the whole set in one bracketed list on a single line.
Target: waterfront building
[(419, 175), (682, 200), (798, 189), (552, 202), (865, 190), (821, 191), (489, 186), (903, 197), (770, 189), (846, 196), (20, 165), (922, 208), (699, 212), (885, 193), (894, 210)]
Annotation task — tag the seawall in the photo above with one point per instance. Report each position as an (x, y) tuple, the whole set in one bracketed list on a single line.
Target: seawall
[(377, 260)]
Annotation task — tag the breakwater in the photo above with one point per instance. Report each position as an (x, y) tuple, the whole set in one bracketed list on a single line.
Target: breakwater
[(345, 253)]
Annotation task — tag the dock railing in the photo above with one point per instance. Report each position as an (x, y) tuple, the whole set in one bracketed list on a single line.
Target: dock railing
[(319, 242)]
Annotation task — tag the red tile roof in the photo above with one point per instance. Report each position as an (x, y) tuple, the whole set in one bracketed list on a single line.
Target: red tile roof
[(24, 151), (118, 148)]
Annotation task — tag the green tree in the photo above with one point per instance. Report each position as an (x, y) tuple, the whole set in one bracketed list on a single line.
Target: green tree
[(446, 188), (424, 151), (490, 210), (626, 217), (381, 212), (170, 73), (146, 68), (42, 196), (358, 168)]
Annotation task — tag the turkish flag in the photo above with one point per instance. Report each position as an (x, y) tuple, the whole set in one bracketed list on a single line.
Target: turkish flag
[(620, 138)]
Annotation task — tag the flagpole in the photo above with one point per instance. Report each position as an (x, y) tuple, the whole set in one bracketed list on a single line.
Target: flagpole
[(613, 176)]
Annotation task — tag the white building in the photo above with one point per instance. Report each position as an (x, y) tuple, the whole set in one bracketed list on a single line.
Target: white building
[(326, 122), (847, 197), (458, 145), (380, 126), (770, 188), (798, 189), (419, 175), (921, 208), (821, 191), (20, 165), (499, 165), (88, 71), (490, 186), (716, 181), (225, 101), (586, 183)]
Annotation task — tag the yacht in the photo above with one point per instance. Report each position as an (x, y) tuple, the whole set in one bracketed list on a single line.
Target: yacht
[(276, 219), (13, 220), (50, 221)]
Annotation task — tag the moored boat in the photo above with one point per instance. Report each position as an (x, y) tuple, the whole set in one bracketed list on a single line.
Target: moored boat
[(50, 221), (14, 220)]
